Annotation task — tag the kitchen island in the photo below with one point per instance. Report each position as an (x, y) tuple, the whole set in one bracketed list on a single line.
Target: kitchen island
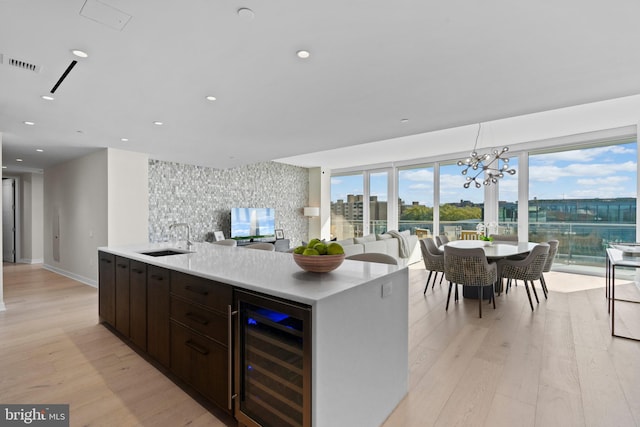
[(351, 325)]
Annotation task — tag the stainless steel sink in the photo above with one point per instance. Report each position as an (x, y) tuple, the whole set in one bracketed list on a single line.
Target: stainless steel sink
[(166, 252)]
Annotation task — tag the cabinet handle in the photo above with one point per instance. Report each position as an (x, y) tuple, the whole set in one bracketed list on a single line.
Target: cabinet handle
[(230, 394), (157, 277), (197, 318), (107, 260), (137, 270), (197, 347), (122, 265), (196, 291)]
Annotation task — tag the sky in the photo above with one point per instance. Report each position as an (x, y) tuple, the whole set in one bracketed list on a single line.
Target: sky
[(600, 172)]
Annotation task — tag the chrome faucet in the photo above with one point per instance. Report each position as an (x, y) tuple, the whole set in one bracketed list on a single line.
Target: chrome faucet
[(178, 224)]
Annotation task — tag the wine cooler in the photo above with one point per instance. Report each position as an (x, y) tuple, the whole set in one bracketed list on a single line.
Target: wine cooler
[(273, 362)]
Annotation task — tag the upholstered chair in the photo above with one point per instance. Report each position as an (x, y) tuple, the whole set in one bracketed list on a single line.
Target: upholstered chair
[(469, 267), (433, 261), (527, 269)]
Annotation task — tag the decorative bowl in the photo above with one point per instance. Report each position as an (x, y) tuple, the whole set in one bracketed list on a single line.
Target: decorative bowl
[(318, 263)]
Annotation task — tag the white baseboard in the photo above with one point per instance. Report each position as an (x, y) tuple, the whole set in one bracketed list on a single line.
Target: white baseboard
[(81, 279), (31, 261)]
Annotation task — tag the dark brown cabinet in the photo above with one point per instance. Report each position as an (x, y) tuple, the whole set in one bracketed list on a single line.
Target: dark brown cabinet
[(158, 332), (107, 288), (200, 335), (122, 296), (187, 324), (138, 304)]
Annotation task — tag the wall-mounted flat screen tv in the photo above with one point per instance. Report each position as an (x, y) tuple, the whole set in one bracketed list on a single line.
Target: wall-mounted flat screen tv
[(253, 223)]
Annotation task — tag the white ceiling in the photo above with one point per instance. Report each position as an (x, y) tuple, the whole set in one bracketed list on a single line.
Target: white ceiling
[(373, 63)]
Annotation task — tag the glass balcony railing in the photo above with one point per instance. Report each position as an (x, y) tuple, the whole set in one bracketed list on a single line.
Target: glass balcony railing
[(582, 243)]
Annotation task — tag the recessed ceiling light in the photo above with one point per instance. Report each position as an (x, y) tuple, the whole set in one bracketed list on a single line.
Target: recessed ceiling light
[(80, 53), (18, 160), (124, 139), (39, 150), (47, 97), (158, 123), (211, 98), (4, 167), (246, 14), (28, 123), (404, 120), (304, 54)]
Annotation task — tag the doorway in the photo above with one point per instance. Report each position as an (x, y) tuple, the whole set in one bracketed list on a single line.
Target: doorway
[(9, 220)]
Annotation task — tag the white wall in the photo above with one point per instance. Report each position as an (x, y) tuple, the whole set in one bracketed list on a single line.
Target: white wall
[(2, 306), (31, 227), (320, 196), (128, 197), (76, 193), (101, 199)]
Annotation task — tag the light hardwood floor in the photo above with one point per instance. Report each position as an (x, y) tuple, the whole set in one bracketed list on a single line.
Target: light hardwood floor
[(556, 366)]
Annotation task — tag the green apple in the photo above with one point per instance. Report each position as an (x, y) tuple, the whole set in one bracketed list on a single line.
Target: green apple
[(321, 248), (313, 242), (334, 249)]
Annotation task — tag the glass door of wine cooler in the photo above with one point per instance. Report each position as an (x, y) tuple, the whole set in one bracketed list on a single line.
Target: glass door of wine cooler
[(273, 362)]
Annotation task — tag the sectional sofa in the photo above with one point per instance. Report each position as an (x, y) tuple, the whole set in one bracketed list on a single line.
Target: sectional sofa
[(383, 243)]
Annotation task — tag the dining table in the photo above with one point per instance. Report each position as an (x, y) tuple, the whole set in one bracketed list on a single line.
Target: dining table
[(494, 251)]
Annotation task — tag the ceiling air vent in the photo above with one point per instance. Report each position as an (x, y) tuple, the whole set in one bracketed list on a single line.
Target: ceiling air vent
[(13, 62)]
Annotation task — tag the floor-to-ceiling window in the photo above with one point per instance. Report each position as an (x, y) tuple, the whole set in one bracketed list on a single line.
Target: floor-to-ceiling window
[(585, 198), (378, 201), (461, 209), (508, 200), (347, 206), (415, 200)]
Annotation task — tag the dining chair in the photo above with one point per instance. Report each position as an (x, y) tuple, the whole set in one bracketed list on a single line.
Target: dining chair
[(468, 235), (374, 257), (261, 246), (553, 250), (469, 267), (442, 240), (527, 269), (433, 261), (225, 242)]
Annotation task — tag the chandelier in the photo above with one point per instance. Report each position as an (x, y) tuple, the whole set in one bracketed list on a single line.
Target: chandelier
[(491, 165)]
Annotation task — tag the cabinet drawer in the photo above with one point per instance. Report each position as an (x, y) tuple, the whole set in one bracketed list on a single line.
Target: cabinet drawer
[(200, 362), (214, 295), (209, 323)]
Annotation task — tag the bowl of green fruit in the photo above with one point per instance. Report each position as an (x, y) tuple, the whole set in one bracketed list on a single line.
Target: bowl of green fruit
[(319, 256)]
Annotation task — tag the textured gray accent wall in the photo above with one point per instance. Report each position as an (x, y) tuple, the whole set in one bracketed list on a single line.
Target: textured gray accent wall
[(203, 197)]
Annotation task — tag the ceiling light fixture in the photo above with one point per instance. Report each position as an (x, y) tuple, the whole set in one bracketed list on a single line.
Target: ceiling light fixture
[(28, 123), (246, 14), (303, 54), (18, 160), (158, 123), (80, 53), (39, 150), (210, 98), (404, 120), (4, 167), (484, 164), (47, 97), (124, 139)]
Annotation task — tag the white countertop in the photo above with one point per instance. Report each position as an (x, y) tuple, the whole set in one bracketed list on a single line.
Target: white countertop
[(272, 273)]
